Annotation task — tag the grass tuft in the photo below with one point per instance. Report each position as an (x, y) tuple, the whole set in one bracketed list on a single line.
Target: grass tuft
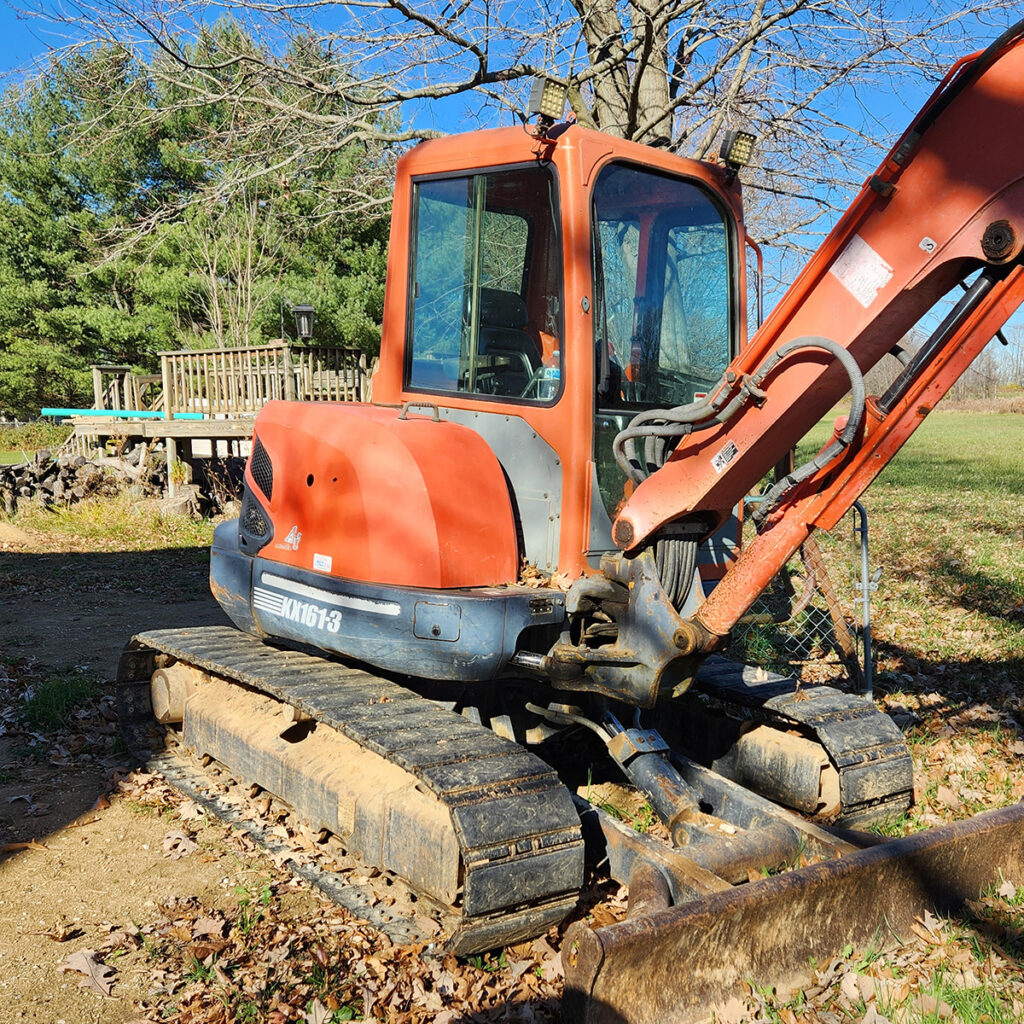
[(120, 523), (50, 704)]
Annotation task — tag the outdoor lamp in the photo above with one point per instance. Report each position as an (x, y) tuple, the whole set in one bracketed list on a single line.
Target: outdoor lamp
[(303, 314), (547, 101)]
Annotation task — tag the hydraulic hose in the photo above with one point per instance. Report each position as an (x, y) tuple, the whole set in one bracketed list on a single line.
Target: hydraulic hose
[(676, 562), (774, 494), (658, 426)]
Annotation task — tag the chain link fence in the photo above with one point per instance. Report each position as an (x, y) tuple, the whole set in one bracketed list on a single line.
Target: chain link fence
[(808, 624)]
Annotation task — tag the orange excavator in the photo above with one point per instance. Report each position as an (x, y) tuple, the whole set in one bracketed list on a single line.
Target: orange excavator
[(529, 538)]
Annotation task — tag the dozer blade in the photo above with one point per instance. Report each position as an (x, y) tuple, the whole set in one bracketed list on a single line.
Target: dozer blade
[(670, 966)]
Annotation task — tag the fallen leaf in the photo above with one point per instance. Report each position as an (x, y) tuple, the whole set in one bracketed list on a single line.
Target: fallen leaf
[(848, 987), (207, 926), (62, 931), (519, 967), (317, 1013), (930, 1006), (30, 845), (99, 977), (1007, 890), (190, 810), (732, 1011), (874, 1017), (552, 968), (177, 845)]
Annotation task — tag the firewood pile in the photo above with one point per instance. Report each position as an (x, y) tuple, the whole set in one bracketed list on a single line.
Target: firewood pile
[(68, 477)]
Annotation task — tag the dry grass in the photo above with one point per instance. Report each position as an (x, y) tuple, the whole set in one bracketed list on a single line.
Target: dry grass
[(121, 523), (948, 532)]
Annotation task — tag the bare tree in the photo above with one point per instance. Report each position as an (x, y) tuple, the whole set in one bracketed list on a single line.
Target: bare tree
[(313, 76), (232, 249), (1013, 357), (981, 380)]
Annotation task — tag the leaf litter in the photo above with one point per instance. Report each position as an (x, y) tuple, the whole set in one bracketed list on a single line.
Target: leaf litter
[(260, 961), (99, 977)]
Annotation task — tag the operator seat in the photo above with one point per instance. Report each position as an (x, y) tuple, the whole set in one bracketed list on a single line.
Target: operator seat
[(503, 318)]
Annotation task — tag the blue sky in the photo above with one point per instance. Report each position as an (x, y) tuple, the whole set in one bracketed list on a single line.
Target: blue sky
[(22, 38)]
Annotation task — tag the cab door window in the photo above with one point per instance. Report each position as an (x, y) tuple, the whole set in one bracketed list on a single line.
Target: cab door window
[(663, 285), (485, 304), (664, 326)]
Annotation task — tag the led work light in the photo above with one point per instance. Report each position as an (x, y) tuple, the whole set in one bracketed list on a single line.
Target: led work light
[(547, 102), (737, 148)]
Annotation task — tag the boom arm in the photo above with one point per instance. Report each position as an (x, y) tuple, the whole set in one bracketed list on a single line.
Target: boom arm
[(947, 201)]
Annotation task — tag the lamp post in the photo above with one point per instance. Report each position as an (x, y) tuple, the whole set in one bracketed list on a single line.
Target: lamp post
[(303, 314)]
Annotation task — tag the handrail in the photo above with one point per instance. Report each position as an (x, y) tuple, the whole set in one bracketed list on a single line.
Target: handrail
[(236, 381), (232, 381)]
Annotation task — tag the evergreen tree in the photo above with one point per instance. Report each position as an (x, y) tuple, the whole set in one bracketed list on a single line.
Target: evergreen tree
[(132, 222)]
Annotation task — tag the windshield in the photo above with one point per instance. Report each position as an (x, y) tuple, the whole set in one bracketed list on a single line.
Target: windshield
[(664, 331)]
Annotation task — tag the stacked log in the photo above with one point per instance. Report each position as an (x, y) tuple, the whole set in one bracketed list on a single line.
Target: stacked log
[(68, 477)]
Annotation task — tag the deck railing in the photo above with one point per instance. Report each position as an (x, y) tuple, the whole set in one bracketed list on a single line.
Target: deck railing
[(236, 381), (118, 387)]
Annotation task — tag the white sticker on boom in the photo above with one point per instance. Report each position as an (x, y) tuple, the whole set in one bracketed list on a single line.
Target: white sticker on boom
[(724, 457), (861, 271), (322, 562)]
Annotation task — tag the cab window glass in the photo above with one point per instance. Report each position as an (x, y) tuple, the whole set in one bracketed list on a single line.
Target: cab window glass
[(664, 299), (485, 309)]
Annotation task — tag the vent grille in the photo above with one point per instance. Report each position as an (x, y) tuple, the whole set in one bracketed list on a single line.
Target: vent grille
[(254, 522), (261, 468)]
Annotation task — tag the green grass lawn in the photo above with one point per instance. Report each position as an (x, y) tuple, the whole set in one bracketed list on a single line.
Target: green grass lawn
[(947, 531)]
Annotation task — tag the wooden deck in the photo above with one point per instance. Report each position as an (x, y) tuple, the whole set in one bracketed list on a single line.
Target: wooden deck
[(236, 381), (227, 387)]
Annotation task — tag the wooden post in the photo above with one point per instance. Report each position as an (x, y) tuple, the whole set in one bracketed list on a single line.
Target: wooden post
[(165, 374), (289, 373), (172, 458), (97, 387), (186, 458)]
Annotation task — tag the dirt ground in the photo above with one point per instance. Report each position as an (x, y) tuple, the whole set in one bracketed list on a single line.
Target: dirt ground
[(119, 900), (92, 860), (106, 872), (68, 608)]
